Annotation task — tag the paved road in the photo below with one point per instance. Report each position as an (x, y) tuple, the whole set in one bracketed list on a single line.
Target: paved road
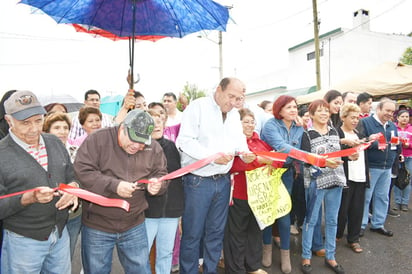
[(381, 255)]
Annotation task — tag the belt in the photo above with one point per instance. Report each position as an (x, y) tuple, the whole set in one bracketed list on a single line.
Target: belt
[(213, 177)]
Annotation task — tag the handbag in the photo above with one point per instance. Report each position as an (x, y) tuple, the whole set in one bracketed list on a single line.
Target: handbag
[(404, 177)]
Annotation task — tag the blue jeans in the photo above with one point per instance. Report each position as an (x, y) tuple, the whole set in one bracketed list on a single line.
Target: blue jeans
[(74, 226), (331, 199), (380, 181), (283, 223), (164, 230), (204, 217), (97, 250), (402, 195), (25, 255)]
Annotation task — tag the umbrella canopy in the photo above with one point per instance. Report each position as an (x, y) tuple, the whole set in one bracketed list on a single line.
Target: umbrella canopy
[(170, 18), (128, 18), (71, 103)]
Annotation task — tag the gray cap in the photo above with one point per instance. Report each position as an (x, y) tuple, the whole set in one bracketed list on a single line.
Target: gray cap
[(22, 105), (139, 126)]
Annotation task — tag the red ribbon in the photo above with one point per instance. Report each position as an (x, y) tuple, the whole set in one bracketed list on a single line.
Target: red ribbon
[(95, 198), (187, 169), (271, 155), (83, 194)]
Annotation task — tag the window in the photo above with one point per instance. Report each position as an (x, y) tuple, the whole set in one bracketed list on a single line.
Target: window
[(311, 55)]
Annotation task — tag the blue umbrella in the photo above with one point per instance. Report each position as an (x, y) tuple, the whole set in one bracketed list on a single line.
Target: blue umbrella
[(169, 18)]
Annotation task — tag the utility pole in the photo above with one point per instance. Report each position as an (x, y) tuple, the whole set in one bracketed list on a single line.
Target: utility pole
[(220, 43), (316, 40)]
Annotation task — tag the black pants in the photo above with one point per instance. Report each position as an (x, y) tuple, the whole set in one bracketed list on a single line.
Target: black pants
[(298, 201), (351, 211), (242, 245)]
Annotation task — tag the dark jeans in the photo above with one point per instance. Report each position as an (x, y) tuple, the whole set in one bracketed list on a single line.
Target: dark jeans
[(351, 211), (242, 244), (204, 220)]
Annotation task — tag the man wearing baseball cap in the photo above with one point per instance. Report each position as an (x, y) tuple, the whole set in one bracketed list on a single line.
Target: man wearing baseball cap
[(109, 163), (35, 237)]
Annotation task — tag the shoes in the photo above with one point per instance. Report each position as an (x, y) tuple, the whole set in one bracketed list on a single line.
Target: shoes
[(267, 255), (175, 268), (259, 271), (397, 207), (306, 267), (361, 232), (355, 247), (336, 268), (393, 213), (285, 261), (404, 208), (382, 231), (320, 252), (294, 230)]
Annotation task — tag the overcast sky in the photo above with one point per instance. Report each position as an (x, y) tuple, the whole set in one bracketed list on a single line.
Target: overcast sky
[(47, 58)]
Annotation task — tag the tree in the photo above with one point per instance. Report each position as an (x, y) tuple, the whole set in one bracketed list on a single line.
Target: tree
[(407, 56), (190, 93)]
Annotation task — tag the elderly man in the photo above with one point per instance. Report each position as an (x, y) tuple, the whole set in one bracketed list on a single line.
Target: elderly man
[(109, 163), (209, 125), (91, 99), (381, 159), (35, 237)]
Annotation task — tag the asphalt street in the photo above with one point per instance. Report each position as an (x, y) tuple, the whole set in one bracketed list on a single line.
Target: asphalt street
[(381, 254)]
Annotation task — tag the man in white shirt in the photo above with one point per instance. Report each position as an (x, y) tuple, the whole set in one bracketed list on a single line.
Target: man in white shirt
[(209, 125), (91, 99), (174, 116)]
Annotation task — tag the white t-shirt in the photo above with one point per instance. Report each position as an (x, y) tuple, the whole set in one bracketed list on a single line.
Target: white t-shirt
[(356, 169)]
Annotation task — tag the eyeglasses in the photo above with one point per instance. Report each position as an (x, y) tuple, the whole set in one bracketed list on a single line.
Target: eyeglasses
[(25, 100), (237, 99)]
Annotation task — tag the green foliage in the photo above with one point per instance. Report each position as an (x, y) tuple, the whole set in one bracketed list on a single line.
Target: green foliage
[(190, 93), (407, 56)]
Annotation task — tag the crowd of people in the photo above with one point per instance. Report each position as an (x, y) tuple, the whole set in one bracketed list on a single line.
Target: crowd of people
[(203, 219)]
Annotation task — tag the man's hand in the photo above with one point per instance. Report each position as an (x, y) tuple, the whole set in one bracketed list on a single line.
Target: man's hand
[(125, 189), (224, 160), (154, 186), (41, 195), (66, 200)]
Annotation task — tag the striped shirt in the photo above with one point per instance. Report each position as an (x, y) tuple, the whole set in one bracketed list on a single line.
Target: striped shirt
[(39, 152)]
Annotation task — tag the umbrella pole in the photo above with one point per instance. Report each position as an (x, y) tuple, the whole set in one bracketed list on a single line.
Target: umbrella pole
[(131, 45)]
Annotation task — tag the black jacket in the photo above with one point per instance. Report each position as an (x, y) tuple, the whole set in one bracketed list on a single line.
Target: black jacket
[(170, 204)]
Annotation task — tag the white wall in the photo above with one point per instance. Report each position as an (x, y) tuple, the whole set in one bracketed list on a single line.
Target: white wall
[(344, 55)]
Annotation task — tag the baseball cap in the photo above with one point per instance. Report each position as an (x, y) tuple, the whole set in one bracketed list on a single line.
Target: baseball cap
[(139, 126), (23, 104)]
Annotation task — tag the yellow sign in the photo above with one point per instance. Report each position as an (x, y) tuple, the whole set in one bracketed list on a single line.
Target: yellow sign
[(267, 196)]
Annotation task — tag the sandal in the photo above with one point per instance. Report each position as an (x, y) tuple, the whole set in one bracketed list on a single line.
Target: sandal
[(355, 247)]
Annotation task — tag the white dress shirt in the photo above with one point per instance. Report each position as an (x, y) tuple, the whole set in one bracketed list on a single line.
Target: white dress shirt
[(203, 133)]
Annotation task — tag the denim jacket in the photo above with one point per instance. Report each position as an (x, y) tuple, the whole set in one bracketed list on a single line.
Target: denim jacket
[(276, 134)]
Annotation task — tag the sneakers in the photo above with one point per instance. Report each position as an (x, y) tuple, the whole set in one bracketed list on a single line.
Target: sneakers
[(393, 213), (404, 208)]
